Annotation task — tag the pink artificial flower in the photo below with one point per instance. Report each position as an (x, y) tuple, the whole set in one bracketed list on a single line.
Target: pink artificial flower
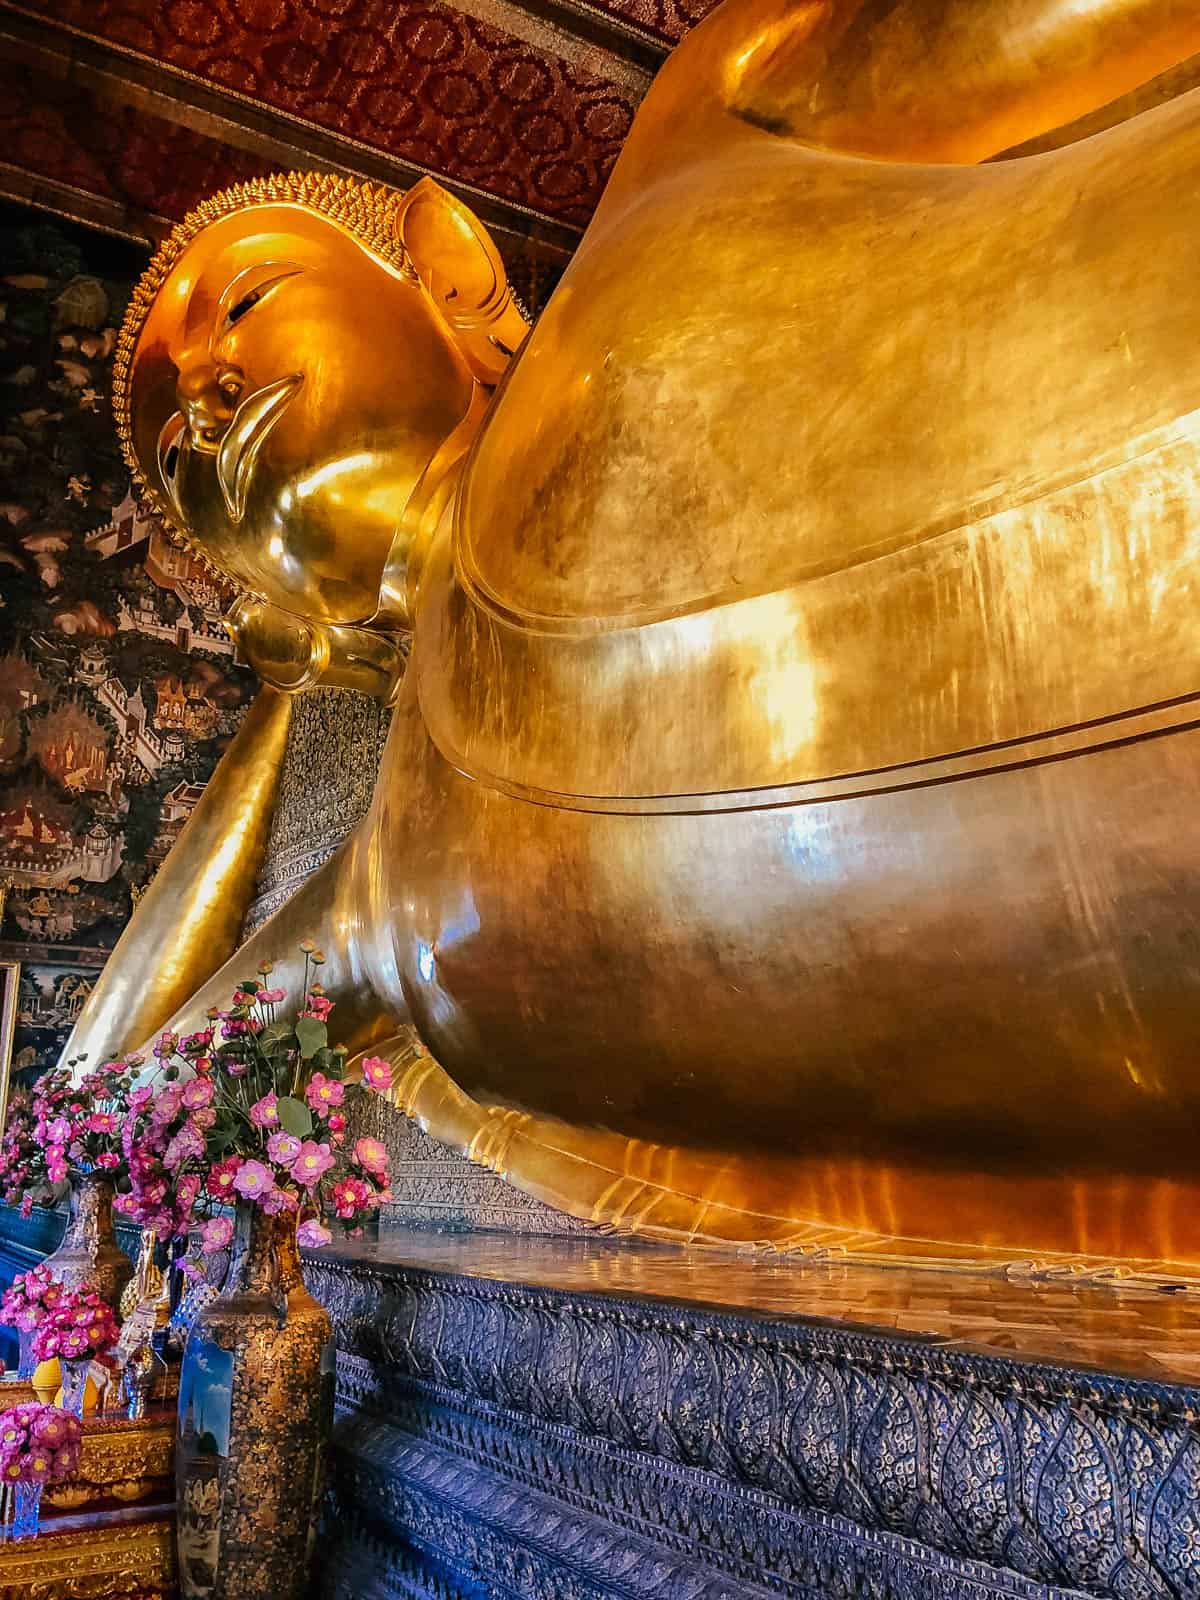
[(187, 1189), (377, 1073), (279, 1200), (323, 1092), (236, 1069), (216, 1233), (349, 1195), (283, 1148), (198, 1093), (186, 1144), (51, 1428), (58, 1131), (313, 1234), (140, 1097), (253, 1180), (101, 1122), (108, 1160), (371, 1155), (264, 1113), (166, 1103), (318, 1006), (166, 1045), (219, 1182), (312, 1163), (272, 997)]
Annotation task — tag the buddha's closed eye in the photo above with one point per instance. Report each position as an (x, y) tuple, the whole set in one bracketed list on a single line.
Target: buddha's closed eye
[(248, 290)]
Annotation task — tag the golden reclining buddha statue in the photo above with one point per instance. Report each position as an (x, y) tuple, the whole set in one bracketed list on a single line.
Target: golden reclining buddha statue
[(785, 829)]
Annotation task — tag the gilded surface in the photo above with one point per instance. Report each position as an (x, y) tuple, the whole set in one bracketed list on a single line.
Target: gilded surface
[(104, 1559), (190, 918), (122, 1460), (783, 831)]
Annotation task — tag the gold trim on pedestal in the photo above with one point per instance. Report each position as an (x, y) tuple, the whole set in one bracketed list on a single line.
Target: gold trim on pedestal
[(120, 1460), (98, 1562)]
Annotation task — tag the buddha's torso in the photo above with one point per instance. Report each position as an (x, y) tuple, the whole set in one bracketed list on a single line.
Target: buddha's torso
[(754, 439), (820, 594)]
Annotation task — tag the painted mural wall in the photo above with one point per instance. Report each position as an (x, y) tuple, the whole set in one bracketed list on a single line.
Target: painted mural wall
[(119, 688)]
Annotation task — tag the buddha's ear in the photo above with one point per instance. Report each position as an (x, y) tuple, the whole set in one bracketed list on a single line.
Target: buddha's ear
[(461, 271)]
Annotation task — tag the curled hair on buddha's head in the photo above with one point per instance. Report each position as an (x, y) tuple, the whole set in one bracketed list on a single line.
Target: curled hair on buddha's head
[(367, 211)]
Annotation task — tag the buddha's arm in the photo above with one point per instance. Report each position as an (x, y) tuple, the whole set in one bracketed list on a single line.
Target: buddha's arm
[(342, 910), (905, 80), (948, 80), (189, 919)]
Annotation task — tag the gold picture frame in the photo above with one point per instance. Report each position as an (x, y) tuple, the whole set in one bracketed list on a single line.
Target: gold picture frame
[(10, 989)]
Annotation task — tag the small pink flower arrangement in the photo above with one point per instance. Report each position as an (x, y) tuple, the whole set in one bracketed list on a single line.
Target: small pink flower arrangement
[(253, 1110), (79, 1326), (29, 1297), (24, 1178), (39, 1444)]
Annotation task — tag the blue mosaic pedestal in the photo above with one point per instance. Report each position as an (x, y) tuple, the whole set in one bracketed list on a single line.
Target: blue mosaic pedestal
[(507, 1439)]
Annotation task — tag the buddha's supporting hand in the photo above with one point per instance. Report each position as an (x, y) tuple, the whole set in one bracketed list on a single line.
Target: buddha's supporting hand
[(294, 654)]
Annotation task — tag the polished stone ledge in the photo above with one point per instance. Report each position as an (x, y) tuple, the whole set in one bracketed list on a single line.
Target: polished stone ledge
[(1131, 1332), (542, 1418)]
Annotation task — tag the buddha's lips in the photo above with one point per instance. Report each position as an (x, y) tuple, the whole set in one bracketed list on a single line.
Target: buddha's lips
[(252, 422)]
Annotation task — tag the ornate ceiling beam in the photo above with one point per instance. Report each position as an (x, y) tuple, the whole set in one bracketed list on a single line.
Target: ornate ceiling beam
[(52, 54)]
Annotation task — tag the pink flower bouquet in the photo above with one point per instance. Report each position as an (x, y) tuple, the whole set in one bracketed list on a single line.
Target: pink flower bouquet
[(24, 1179), (29, 1297), (78, 1327), (254, 1109), (39, 1444)]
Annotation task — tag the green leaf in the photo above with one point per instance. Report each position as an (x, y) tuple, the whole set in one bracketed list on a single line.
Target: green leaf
[(294, 1117), (275, 1034), (311, 1034)]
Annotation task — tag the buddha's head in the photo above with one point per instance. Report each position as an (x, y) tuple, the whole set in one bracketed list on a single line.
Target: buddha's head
[(303, 363)]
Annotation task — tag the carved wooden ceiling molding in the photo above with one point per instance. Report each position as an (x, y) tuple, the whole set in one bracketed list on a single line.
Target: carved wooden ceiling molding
[(123, 113)]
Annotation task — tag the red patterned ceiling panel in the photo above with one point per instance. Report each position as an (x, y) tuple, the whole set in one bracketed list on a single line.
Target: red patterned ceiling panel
[(419, 80), (116, 152)]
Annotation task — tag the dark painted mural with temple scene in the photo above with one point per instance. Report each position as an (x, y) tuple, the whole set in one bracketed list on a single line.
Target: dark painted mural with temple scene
[(119, 688)]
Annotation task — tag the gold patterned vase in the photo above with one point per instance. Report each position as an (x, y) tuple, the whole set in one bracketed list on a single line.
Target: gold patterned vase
[(89, 1253), (255, 1407)]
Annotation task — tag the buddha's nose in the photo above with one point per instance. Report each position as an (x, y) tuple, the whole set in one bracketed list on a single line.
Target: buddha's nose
[(208, 396)]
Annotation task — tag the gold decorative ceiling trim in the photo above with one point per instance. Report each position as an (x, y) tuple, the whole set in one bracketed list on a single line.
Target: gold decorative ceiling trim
[(111, 72)]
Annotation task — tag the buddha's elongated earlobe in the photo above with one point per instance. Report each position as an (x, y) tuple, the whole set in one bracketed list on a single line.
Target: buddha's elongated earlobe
[(461, 271)]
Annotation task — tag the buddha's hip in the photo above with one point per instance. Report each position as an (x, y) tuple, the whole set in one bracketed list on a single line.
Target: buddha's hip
[(985, 968)]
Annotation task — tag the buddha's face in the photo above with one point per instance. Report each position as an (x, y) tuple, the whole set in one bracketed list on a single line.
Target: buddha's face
[(288, 392)]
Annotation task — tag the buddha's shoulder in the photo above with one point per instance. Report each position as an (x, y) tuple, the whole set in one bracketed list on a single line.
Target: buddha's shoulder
[(777, 374)]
